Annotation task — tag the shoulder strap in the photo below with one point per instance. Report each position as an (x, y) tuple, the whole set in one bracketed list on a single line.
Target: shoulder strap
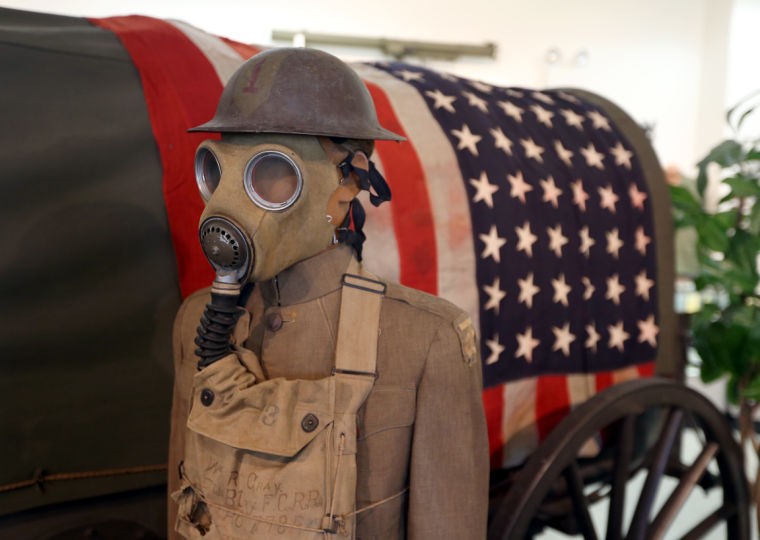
[(359, 322)]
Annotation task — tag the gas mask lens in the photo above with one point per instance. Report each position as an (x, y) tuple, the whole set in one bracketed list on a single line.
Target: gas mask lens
[(207, 172), (273, 180)]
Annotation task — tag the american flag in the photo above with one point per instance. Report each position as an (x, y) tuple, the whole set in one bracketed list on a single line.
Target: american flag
[(526, 208), (561, 227)]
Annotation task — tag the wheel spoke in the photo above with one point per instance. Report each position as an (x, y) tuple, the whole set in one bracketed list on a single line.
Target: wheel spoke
[(682, 491), (662, 450), (701, 529), (580, 503), (620, 479)]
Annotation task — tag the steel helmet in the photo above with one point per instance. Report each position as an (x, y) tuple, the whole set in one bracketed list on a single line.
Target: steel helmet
[(297, 91)]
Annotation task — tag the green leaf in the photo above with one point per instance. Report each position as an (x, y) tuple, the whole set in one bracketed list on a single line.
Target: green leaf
[(754, 219), (711, 233), (743, 248), (685, 201), (752, 155), (741, 186), (725, 154), (726, 219), (743, 117), (701, 179), (732, 390), (730, 114), (752, 390), (719, 345), (739, 283)]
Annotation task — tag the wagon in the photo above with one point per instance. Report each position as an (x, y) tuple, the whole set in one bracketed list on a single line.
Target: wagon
[(543, 213)]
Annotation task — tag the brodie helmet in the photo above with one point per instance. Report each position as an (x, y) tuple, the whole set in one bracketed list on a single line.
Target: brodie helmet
[(297, 91)]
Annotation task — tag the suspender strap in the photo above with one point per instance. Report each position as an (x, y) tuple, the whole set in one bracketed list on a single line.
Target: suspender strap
[(361, 298)]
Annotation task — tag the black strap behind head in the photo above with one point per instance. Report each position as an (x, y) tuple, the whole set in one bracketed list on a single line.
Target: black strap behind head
[(379, 192), (369, 180), (353, 237)]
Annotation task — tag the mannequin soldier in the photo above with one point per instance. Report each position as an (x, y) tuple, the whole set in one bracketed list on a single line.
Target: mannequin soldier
[(314, 400)]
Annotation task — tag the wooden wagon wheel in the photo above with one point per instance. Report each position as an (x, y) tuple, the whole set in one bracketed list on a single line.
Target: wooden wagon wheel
[(644, 421)]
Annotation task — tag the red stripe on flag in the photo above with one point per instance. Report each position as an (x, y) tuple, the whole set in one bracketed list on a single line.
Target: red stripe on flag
[(604, 380), (646, 369), (493, 404), (245, 51), (552, 403), (181, 91), (412, 214)]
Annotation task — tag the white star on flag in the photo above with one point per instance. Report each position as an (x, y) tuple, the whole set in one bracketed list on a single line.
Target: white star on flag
[(564, 154), (476, 101), (519, 186), (409, 76), (593, 337), (493, 243), (622, 155), (614, 289), (614, 243), (642, 240), (527, 290), (643, 284), (593, 158), (648, 331), (483, 87), (561, 290), (551, 191), (525, 345), (562, 339), (586, 241), (589, 288), (532, 150), (568, 97), (441, 100), (637, 197), (618, 336), (495, 295), (599, 121), (572, 118), (579, 194), (496, 349), (485, 189), (540, 96), (467, 139), (510, 109), (542, 115), (556, 239), (501, 140), (608, 198), (525, 239)]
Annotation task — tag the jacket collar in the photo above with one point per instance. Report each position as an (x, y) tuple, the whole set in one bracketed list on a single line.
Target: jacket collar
[(308, 279)]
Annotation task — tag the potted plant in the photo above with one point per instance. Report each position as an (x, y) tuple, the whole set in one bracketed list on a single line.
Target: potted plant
[(723, 209)]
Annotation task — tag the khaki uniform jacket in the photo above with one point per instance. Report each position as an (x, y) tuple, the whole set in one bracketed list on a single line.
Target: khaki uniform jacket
[(422, 426)]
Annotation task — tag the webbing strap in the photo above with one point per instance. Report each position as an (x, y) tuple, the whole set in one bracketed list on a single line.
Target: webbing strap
[(359, 322)]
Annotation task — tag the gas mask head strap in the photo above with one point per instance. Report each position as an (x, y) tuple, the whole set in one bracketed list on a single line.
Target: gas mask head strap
[(355, 236), (369, 179)]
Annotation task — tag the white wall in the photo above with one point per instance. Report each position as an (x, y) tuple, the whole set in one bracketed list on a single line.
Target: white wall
[(665, 62)]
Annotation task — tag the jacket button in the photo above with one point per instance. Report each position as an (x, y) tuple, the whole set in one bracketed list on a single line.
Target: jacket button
[(309, 422), (207, 397), (274, 320)]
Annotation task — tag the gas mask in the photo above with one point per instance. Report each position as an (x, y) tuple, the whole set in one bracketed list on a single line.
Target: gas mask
[(271, 201), (267, 201)]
